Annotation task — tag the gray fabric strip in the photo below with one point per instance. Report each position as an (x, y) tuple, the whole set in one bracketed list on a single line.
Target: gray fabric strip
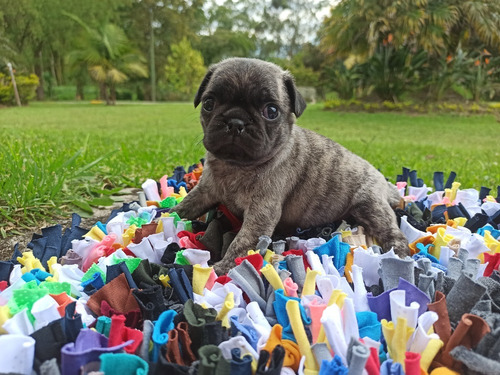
[(463, 296), (391, 269), (474, 361), (321, 353), (247, 278), (357, 356), (147, 331), (295, 265)]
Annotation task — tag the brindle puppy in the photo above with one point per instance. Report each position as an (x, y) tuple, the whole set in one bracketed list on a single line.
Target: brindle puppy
[(273, 174)]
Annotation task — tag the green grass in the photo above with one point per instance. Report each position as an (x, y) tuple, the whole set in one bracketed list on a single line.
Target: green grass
[(54, 156), (468, 145)]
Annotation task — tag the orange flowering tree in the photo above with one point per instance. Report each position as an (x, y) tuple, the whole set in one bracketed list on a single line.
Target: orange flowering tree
[(447, 32), (360, 26)]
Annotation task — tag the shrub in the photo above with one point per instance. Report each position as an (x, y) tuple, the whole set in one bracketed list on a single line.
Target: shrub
[(389, 105), (407, 106), (342, 104), (6, 92), (184, 70), (474, 107), (342, 80), (124, 94), (26, 86), (69, 92), (394, 72)]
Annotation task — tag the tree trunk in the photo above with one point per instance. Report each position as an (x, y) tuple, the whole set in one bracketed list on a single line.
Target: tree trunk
[(80, 94), (53, 68), (60, 69), (80, 82), (477, 95), (152, 57), (112, 91), (103, 94), (146, 91), (56, 67), (106, 93), (40, 94)]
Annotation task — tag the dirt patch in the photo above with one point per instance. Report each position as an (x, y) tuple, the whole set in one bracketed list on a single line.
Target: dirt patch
[(100, 214)]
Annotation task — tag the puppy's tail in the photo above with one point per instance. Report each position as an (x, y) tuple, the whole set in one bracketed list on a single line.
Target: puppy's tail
[(393, 197)]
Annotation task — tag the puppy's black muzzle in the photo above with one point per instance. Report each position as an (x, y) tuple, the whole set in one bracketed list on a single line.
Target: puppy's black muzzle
[(235, 126)]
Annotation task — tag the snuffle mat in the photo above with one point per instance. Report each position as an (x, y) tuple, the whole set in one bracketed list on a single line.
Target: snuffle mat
[(137, 294)]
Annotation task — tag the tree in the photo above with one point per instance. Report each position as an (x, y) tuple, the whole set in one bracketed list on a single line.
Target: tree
[(302, 74), (226, 33), (478, 22), (277, 28), (7, 51), (184, 70), (168, 22), (360, 26), (42, 36), (108, 56), (23, 26), (226, 43), (284, 26)]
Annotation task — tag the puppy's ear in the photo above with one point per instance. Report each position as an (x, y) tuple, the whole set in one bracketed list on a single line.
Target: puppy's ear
[(297, 102), (203, 85)]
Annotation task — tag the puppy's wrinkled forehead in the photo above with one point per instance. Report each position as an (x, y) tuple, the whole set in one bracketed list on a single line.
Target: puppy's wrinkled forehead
[(246, 80)]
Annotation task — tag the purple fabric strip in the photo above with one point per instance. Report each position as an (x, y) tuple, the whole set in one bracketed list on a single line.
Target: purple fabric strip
[(89, 345), (413, 294), (380, 305)]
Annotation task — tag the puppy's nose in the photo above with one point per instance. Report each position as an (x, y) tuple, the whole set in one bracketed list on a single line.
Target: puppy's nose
[(236, 125)]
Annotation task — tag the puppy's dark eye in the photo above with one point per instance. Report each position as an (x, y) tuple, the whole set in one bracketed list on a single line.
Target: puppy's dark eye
[(208, 105), (271, 112)]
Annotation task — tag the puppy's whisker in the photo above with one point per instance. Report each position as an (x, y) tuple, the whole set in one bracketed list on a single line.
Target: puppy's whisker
[(199, 141)]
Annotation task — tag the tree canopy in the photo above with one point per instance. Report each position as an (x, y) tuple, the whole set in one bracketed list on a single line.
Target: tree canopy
[(157, 49), (108, 56), (436, 26)]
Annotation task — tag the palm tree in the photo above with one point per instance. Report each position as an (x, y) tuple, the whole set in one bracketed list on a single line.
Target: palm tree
[(108, 57), (436, 26), (478, 22)]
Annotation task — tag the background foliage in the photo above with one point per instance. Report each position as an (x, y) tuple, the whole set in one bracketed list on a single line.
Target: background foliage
[(374, 50)]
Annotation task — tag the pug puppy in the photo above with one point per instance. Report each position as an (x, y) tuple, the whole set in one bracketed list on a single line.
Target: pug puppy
[(274, 175)]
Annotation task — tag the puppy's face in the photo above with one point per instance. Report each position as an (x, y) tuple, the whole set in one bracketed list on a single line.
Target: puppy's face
[(247, 110)]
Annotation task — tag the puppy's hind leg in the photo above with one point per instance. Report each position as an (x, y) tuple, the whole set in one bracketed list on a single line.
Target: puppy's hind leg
[(379, 220), (393, 197)]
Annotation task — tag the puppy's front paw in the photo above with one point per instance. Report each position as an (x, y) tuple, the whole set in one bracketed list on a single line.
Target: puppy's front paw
[(182, 210), (400, 246), (238, 248)]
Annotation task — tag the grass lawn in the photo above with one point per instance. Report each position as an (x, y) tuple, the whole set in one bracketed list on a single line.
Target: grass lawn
[(54, 156)]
